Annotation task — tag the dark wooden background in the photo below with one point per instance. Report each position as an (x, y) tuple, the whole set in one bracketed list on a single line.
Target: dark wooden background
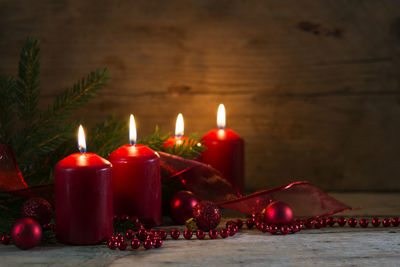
[(312, 86)]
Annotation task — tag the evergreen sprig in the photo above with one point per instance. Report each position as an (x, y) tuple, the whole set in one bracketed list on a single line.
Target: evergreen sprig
[(7, 103)]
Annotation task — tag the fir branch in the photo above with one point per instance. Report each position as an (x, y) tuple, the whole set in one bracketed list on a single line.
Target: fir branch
[(28, 82), (7, 103), (154, 140)]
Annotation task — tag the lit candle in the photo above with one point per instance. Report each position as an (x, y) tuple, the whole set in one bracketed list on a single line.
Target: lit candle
[(178, 138), (137, 180), (225, 151), (83, 197)]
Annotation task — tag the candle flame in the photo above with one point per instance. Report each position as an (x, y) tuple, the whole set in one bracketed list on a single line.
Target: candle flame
[(132, 131), (179, 127), (81, 140), (221, 117)]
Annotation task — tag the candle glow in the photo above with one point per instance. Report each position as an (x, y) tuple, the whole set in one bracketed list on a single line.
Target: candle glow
[(221, 117), (132, 131), (81, 140), (179, 127)]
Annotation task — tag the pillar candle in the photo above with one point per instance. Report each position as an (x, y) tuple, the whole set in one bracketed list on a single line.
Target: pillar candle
[(83, 197), (225, 151), (137, 180)]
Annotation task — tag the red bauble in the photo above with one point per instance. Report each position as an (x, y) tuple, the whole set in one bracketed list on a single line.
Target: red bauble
[(148, 244), (376, 222), (175, 234), (135, 244), (386, 222), (187, 234), (213, 234), (341, 221), (352, 222), (5, 239), (364, 223), (200, 234), (395, 221), (26, 233), (285, 229), (38, 209), (181, 206), (278, 213), (206, 215), (122, 245)]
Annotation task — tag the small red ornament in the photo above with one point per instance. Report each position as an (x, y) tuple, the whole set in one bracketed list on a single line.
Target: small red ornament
[(213, 234), (278, 213), (239, 223), (181, 206), (395, 221), (162, 234), (386, 222), (200, 234), (376, 222), (224, 233), (175, 234), (113, 244), (26, 233), (250, 223), (206, 215), (148, 244), (352, 222), (273, 229), (187, 234), (157, 242), (364, 223), (38, 209), (342, 221), (135, 244), (129, 234), (330, 221), (5, 239), (285, 229), (122, 245)]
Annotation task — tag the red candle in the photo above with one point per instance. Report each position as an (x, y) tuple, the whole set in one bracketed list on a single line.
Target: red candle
[(83, 197), (225, 151), (178, 139), (137, 181)]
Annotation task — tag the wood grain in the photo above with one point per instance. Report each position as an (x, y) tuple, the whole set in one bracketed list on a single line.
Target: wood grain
[(312, 86)]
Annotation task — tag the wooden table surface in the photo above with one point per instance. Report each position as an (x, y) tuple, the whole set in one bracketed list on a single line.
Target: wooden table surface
[(337, 246)]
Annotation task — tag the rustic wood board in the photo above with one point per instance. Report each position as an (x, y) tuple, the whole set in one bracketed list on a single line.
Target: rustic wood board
[(312, 86)]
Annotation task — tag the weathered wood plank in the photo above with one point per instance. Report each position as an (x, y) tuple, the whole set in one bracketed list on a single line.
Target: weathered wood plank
[(313, 87)]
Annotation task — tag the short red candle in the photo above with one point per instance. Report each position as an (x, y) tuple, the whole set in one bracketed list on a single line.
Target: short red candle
[(225, 152), (178, 139), (137, 183), (83, 199)]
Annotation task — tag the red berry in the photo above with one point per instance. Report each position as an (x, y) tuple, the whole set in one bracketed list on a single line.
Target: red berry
[(135, 244), (187, 234), (122, 245), (142, 234), (5, 239), (250, 223), (148, 244), (119, 238), (224, 233), (200, 234), (386, 222), (113, 245), (239, 223), (129, 234), (285, 229), (309, 223), (395, 221), (264, 227), (352, 222), (330, 221), (376, 222), (162, 234), (213, 234), (157, 242), (318, 223), (175, 234), (364, 223), (273, 229), (341, 221)]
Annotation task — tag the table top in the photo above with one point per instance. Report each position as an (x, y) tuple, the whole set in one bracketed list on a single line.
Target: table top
[(330, 246)]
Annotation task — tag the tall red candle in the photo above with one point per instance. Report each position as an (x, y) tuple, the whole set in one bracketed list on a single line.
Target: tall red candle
[(137, 181), (83, 198), (225, 151)]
